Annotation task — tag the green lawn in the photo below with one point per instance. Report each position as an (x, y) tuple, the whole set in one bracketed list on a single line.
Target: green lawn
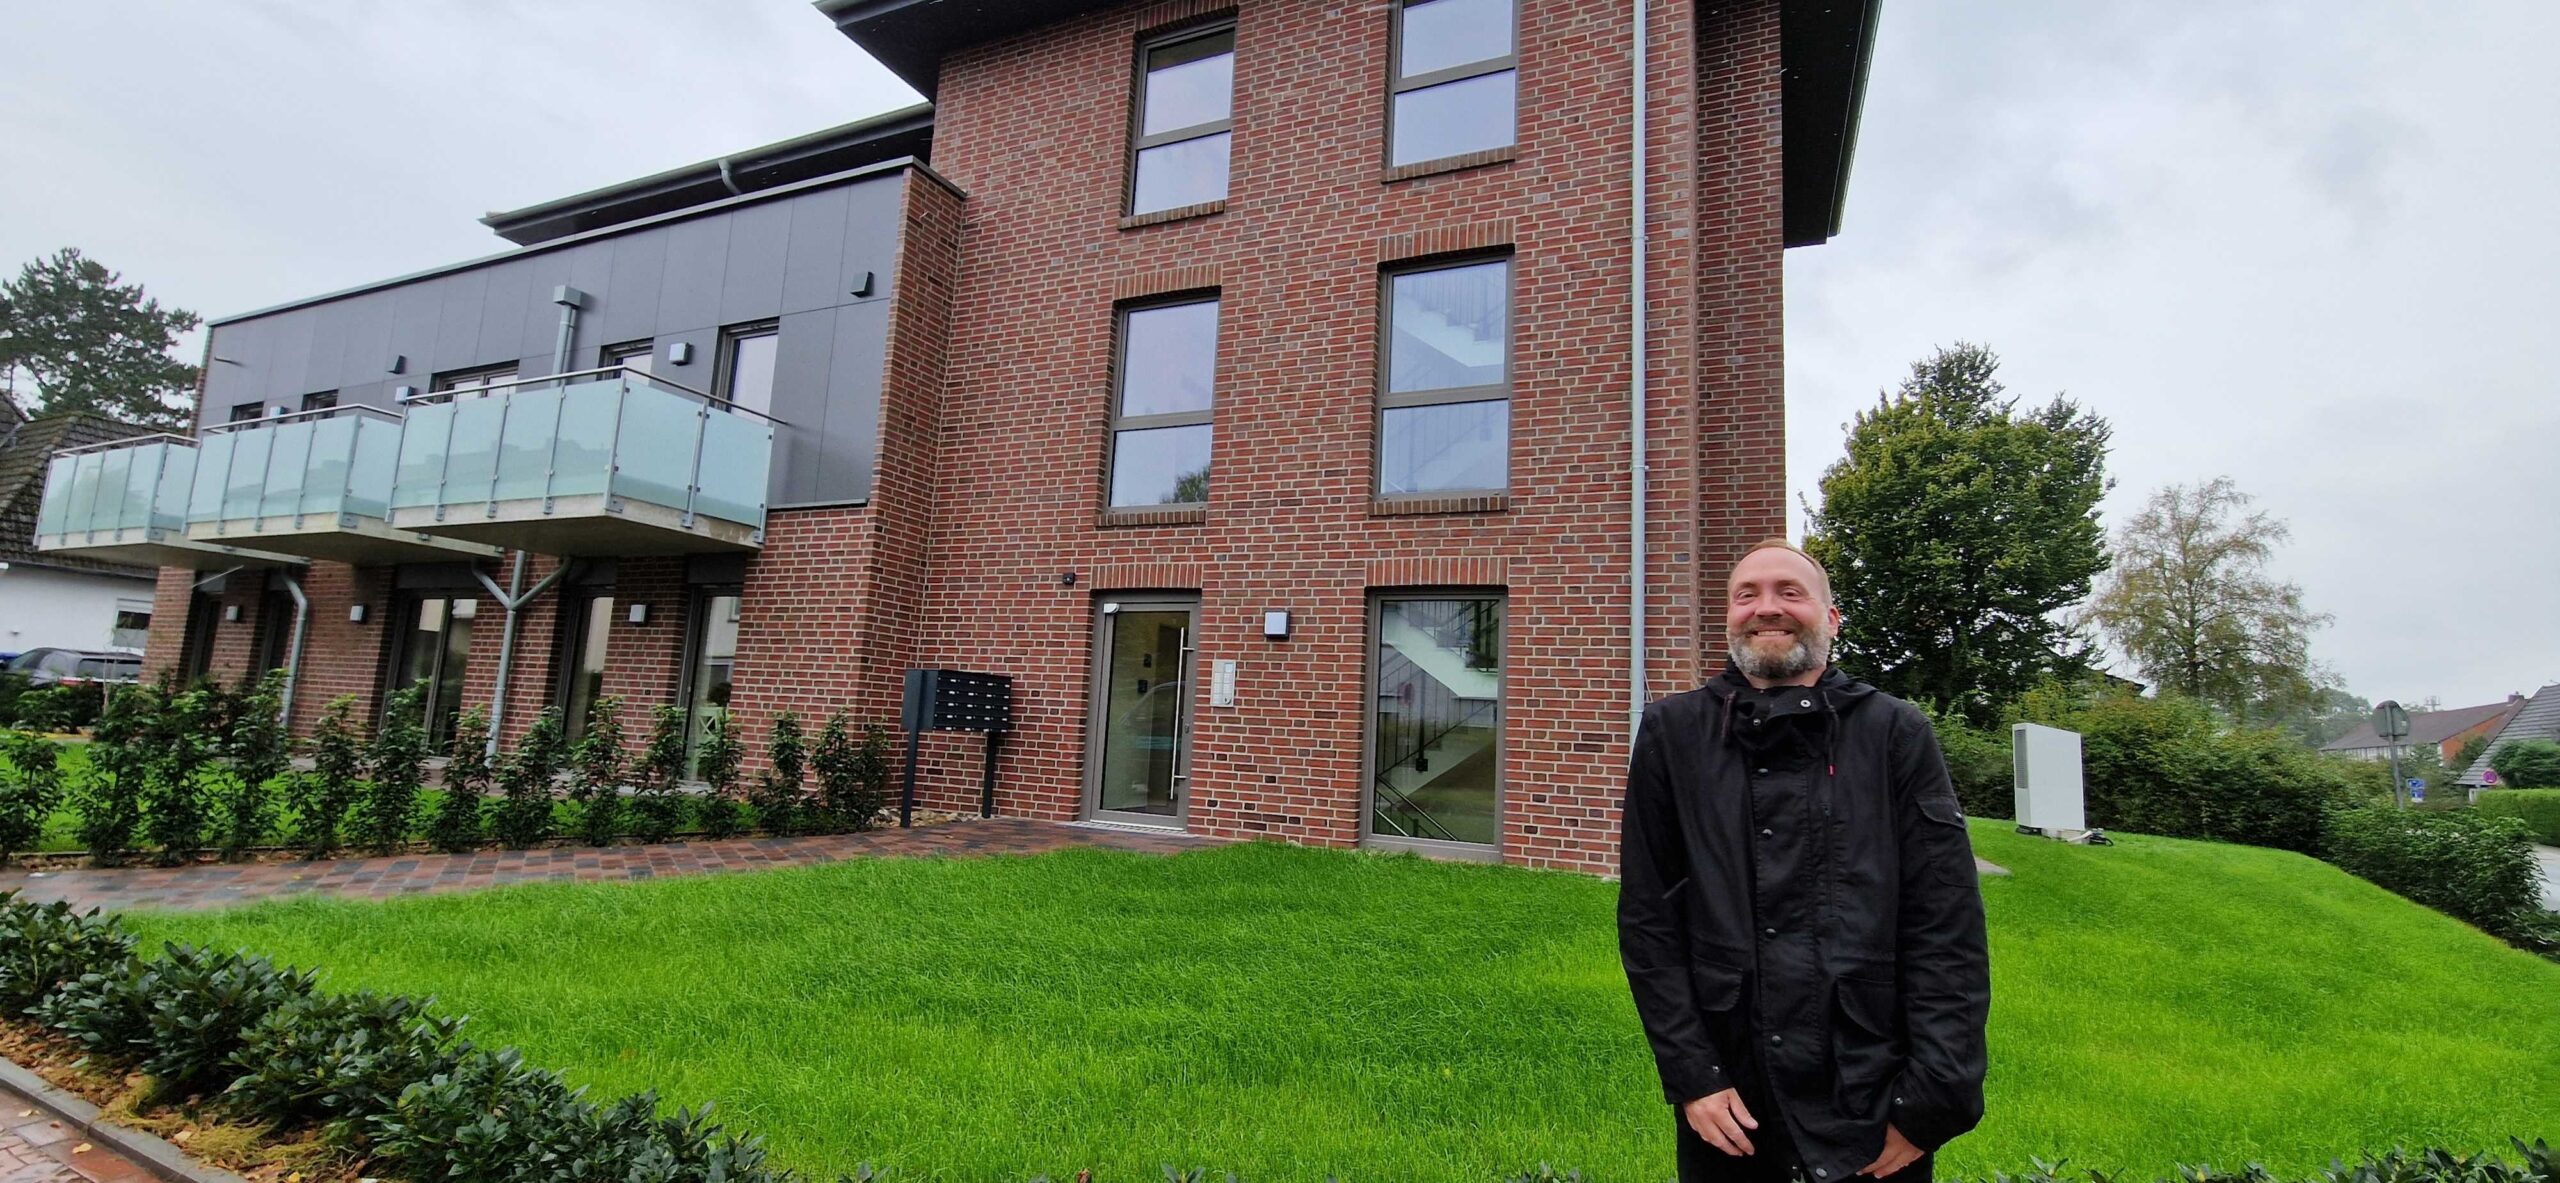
[(1287, 1013)]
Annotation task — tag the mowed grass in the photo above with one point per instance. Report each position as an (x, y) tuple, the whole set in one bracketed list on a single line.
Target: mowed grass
[(1288, 1014)]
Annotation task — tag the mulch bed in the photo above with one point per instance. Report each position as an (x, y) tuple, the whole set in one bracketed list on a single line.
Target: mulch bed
[(254, 1150)]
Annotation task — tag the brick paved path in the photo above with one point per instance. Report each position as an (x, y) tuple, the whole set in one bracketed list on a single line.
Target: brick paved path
[(214, 886), (38, 1149)]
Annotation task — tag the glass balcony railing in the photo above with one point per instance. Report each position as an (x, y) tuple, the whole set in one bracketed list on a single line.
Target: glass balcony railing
[(126, 501), (597, 462), (315, 484)]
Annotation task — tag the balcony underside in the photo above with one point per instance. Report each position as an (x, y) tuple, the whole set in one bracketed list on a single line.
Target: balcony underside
[(350, 538), (587, 526), (143, 546)]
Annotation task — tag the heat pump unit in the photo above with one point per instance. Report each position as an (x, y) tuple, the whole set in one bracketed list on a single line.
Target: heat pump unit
[(2048, 772)]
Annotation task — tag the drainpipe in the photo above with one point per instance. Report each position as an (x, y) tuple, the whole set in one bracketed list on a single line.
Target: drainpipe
[(293, 657), (515, 597), (1636, 474)]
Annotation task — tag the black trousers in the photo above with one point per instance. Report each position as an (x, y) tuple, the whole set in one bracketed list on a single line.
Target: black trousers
[(1773, 1159)]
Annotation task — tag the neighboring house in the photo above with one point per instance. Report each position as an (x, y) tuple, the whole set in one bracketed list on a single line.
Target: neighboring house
[(52, 598), (2445, 731), (1252, 383), (2536, 718)]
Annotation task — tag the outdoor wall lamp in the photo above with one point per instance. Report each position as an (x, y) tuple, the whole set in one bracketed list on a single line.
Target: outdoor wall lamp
[(639, 614), (355, 614), (231, 614), (680, 353), (399, 363), (1066, 579), (1275, 626), (863, 288)]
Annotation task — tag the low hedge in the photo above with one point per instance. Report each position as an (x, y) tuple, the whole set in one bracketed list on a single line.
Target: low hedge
[(2538, 809), (2469, 865)]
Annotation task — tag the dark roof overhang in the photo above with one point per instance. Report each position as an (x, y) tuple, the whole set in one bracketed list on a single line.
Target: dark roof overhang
[(906, 132), (1824, 47)]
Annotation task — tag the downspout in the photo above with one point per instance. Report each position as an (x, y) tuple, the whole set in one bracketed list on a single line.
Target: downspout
[(1636, 445), (516, 597), (293, 657)]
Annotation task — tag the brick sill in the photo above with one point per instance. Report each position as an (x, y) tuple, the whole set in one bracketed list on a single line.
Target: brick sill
[(1189, 516), (1176, 214), (1449, 164), (1407, 506)]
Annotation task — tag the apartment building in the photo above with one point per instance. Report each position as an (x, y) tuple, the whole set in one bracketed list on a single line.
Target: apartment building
[(1255, 384)]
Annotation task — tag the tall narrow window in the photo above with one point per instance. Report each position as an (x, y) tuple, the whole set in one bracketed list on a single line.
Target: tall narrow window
[(1186, 102), (431, 650), (1444, 419), (1456, 79), (585, 632), (713, 646), (746, 365), (1435, 724), (1168, 378)]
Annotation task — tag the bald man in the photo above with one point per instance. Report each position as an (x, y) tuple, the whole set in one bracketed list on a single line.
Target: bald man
[(1797, 907)]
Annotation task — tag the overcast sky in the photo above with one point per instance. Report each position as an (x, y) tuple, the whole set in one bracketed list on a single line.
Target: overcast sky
[(2311, 246)]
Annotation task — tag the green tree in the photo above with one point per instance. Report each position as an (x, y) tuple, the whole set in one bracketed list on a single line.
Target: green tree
[(1955, 529), (2191, 603), (79, 339), (523, 818), (398, 760), (597, 765), (2527, 764), (2327, 714), (459, 824)]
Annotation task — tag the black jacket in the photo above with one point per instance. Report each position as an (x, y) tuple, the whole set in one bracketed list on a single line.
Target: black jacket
[(1799, 915)]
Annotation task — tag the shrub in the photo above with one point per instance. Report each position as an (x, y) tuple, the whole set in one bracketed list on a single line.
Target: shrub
[(2168, 766), (177, 795), (108, 798), (180, 1017), (778, 788), (397, 760), (596, 773), (853, 780), (1978, 760), (60, 708), (13, 686), (30, 784), (259, 750), (657, 807), (458, 826), (2538, 809), (322, 797), (44, 945), (523, 816), (338, 1058), (2527, 764), (716, 762), (2465, 864)]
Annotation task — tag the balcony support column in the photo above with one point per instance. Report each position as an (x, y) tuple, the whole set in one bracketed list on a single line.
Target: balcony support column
[(513, 599), (293, 655)]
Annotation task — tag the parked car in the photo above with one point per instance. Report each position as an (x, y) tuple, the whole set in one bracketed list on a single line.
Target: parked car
[(55, 667)]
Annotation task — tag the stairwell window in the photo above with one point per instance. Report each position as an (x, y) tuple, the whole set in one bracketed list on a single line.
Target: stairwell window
[(1456, 85), (1444, 415), (1185, 108), (1167, 379), (1435, 721)]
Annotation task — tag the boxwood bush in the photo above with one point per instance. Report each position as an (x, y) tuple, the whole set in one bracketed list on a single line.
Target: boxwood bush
[(2538, 809)]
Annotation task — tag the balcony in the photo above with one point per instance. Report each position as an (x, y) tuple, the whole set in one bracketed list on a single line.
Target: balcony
[(126, 502), (316, 484), (594, 463)]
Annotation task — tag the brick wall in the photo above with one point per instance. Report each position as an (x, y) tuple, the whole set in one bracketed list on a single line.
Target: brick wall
[(1034, 129)]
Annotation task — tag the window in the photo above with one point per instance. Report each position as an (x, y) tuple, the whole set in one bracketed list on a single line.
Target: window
[(1186, 102), (195, 649), (585, 634), (474, 383), (133, 625), (320, 400), (1444, 419), (746, 366), (431, 650), (712, 645), (1435, 722), (247, 412), (631, 355), (1456, 79), (1167, 375)]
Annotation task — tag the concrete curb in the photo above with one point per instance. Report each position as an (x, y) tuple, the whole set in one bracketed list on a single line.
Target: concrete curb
[(151, 1152)]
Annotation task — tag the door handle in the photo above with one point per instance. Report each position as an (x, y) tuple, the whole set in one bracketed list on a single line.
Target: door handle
[(1182, 716)]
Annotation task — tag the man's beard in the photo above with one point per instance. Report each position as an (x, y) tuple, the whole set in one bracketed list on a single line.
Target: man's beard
[(1811, 651)]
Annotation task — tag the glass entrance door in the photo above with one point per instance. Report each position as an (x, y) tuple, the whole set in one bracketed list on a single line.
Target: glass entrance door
[(1140, 759), (434, 646)]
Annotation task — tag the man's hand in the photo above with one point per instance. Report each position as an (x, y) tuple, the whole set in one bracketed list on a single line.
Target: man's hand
[(1898, 1153), (1720, 1118)]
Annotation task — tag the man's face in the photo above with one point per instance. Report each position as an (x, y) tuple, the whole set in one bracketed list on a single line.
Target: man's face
[(1778, 616)]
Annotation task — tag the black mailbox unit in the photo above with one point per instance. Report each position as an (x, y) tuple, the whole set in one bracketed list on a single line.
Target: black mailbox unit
[(954, 700)]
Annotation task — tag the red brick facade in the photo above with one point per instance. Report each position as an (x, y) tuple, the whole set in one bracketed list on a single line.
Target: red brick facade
[(995, 410)]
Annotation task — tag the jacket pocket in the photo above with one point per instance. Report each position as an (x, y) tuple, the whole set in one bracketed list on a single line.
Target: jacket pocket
[(1714, 987), (1948, 845), (1867, 1047)]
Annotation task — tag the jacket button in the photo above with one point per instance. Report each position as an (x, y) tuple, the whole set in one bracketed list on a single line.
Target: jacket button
[(1804, 702), (1897, 1100), (1761, 771), (1768, 833), (1821, 1172), (1777, 1039), (1768, 932)]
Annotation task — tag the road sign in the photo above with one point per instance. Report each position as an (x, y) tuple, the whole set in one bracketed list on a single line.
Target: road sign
[(2390, 720), (2417, 784), (2488, 776), (2417, 791)]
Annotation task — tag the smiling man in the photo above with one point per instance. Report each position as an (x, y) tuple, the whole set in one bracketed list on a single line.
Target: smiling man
[(1797, 907)]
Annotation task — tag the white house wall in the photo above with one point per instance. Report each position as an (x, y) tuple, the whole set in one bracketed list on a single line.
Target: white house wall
[(40, 606)]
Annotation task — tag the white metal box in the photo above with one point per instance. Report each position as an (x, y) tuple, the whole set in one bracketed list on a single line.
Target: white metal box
[(2047, 762)]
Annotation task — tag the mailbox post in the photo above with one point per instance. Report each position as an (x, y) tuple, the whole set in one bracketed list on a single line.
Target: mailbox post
[(954, 700)]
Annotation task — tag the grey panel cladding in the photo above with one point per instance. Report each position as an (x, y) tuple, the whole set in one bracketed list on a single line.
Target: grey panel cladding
[(797, 258)]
